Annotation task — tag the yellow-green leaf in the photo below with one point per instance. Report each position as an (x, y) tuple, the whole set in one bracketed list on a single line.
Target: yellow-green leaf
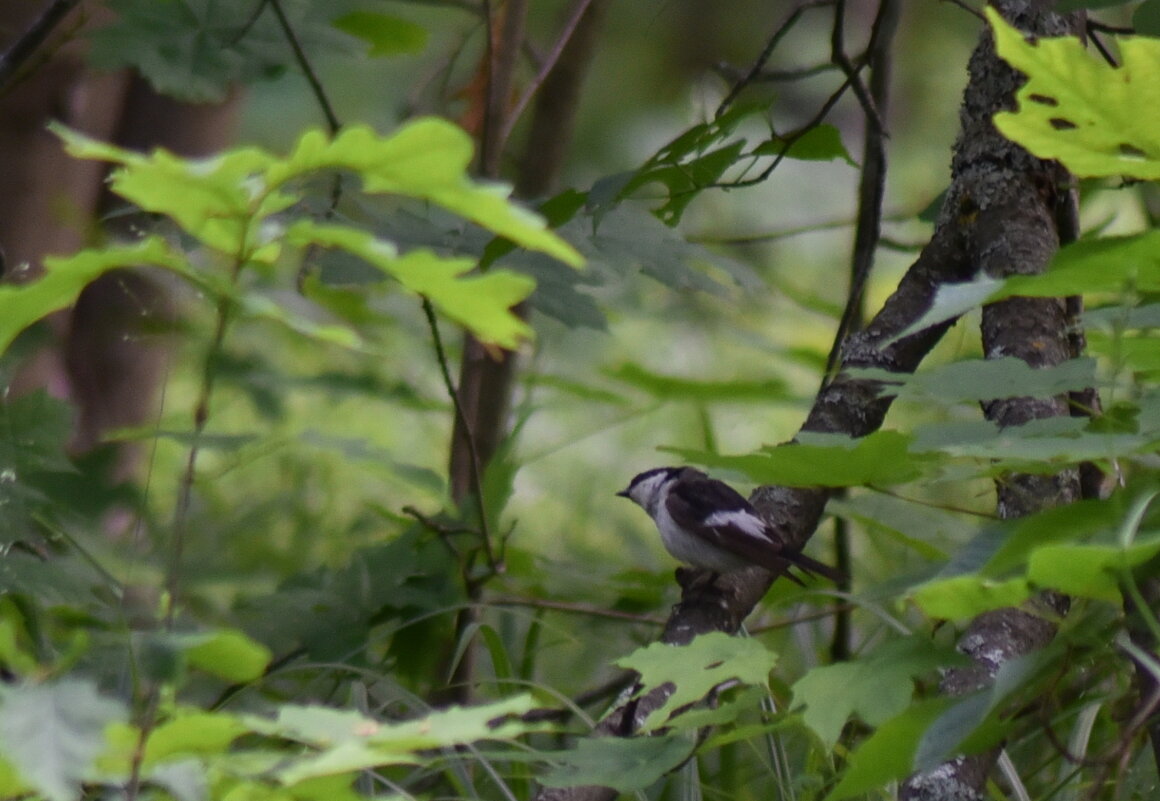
[(1096, 119), (64, 277), (481, 302)]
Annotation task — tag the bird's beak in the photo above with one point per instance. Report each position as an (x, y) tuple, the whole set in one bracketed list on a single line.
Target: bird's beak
[(623, 493)]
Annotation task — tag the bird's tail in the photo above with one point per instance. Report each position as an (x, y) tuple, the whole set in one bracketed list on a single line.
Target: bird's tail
[(811, 567)]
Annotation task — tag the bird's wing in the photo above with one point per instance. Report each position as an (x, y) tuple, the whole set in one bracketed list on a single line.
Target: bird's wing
[(717, 512)]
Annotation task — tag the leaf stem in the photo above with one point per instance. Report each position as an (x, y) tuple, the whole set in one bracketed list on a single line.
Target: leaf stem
[(225, 306)]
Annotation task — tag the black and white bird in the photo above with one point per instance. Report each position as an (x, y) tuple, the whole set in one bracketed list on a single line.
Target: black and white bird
[(706, 523)]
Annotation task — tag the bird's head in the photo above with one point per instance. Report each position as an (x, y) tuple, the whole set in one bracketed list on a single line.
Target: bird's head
[(648, 489)]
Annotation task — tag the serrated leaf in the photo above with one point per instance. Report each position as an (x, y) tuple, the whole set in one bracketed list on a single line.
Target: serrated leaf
[(921, 526), (213, 199), (1096, 119), (1113, 264), (888, 754), (693, 161), (1089, 571), (559, 292), (964, 597), (480, 302), (386, 34), (628, 238), (627, 764), (968, 725), (684, 180), (225, 201), (51, 733), (427, 159), (350, 741), (283, 309), (822, 460), (226, 653), (874, 688), (1072, 523), (65, 276), (192, 732), (820, 143), (196, 50), (697, 668), (987, 379)]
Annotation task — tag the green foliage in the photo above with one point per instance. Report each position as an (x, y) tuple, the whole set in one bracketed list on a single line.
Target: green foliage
[(700, 157), (387, 35), (51, 733), (827, 460), (875, 689), (710, 660), (291, 631), (1096, 119), (195, 49), (626, 765), (230, 205)]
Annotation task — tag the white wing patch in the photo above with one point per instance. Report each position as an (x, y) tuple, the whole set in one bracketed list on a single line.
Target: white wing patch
[(738, 520)]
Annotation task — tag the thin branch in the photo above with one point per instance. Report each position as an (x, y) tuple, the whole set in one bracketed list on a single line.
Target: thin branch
[(610, 689), (23, 48), (872, 182), (972, 11), (1100, 46), (509, 123), (732, 74), (460, 415), (200, 420), (778, 34), (577, 608), (788, 142), (307, 70), (137, 760), (839, 57), (334, 125)]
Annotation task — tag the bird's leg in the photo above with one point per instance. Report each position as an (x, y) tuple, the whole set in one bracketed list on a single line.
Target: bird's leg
[(694, 580)]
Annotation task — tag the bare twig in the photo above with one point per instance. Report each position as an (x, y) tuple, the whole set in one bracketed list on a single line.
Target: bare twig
[(871, 189), (577, 608), (224, 313), (778, 34), (839, 57), (872, 182), (579, 9), (476, 477), (28, 42), (732, 74), (307, 70)]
